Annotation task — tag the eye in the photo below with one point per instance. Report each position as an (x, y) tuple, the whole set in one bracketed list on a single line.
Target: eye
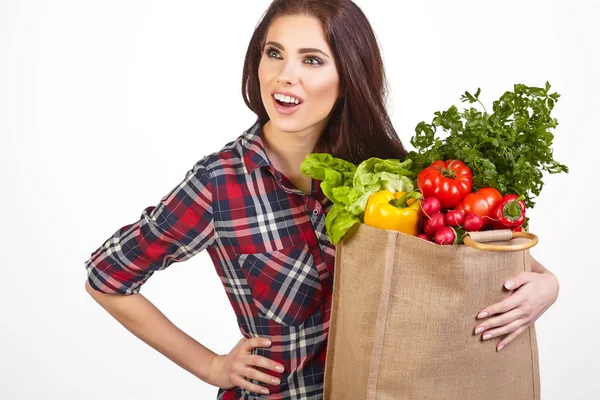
[(318, 60), (271, 50)]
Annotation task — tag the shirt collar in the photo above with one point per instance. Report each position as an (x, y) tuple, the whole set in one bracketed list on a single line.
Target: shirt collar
[(254, 155)]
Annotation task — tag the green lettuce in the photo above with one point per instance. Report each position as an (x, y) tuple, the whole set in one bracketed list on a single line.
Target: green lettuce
[(338, 221), (349, 187), (333, 172)]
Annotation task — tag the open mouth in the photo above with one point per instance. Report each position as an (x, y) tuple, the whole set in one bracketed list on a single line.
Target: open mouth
[(285, 108), (287, 105)]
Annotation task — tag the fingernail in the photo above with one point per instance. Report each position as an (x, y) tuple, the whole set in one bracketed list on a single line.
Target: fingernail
[(487, 336), (275, 381), (279, 368), (482, 315), (267, 342), (479, 330), (509, 284), (500, 347), (265, 391)]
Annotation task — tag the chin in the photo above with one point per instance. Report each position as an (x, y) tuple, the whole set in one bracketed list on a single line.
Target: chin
[(289, 124)]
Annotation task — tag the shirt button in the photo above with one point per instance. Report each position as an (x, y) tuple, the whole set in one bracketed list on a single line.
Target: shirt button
[(315, 212)]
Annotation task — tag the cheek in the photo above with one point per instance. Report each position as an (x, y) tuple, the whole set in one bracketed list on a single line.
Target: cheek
[(325, 89), (261, 75), (266, 72)]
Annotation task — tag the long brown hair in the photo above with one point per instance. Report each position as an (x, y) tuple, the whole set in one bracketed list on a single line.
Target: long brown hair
[(359, 126)]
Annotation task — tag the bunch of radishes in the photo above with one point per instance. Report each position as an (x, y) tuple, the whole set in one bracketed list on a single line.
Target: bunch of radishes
[(446, 185), (448, 227)]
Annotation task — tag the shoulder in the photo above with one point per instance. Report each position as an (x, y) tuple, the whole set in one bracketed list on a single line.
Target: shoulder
[(226, 160)]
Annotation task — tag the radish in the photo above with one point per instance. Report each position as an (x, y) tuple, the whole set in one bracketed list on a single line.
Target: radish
[(445, 235), (431, 206), (472, 222), (434, 223), (455, 218), (424, 236)]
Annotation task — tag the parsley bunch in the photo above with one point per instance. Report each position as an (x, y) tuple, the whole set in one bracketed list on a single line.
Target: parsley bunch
[(508, 149)]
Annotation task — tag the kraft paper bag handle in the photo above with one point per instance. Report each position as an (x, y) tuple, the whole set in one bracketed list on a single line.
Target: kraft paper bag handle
[(477, 240)]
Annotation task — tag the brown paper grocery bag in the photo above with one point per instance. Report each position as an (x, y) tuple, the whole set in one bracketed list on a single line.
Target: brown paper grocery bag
[(403, 316)]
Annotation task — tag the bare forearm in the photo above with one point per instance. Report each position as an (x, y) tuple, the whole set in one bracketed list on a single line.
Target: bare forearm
[(537, 267), (142, 318)]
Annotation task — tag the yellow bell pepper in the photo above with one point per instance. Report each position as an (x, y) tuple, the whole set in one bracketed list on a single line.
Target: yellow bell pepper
[(399, 211)]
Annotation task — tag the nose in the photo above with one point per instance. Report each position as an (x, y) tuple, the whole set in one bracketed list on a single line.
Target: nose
[(288, 73)]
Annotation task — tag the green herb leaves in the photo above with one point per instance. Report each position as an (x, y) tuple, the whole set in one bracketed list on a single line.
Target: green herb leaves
[(509, 149)]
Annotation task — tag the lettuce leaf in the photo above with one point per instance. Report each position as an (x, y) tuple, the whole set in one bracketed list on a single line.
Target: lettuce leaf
[(338, 221), (376, 174), (349, 187), (332, 172)]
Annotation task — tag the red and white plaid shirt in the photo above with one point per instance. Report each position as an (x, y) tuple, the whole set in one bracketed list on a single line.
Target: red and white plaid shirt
[(268, 243)]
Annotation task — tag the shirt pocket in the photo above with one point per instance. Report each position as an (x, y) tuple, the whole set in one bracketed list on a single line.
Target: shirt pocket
[(284, 283)]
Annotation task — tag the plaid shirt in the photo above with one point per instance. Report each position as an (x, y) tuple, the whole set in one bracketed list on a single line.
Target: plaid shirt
[(268, 243)]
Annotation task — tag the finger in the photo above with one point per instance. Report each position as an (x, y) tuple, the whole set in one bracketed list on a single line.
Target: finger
[(244, 384), (518, 280), (255, 342), (262, 362), (503, 330), (502, 319), (512, 301), (260, 376), (511, 337)]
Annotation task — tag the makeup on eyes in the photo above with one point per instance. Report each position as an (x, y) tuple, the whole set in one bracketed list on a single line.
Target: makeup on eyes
[(269, 49)]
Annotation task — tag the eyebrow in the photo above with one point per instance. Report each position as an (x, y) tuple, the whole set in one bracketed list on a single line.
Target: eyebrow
[(301, 51)]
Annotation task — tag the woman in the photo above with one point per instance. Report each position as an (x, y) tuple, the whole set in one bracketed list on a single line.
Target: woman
[(313, 75)]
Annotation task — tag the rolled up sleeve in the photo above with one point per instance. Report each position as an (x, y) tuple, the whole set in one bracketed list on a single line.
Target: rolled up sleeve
[(177, 228)]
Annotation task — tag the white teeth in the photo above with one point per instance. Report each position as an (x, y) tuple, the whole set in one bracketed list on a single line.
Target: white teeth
[(287, 99)]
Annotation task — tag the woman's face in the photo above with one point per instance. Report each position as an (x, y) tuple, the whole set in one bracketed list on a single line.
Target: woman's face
[(297, 62)]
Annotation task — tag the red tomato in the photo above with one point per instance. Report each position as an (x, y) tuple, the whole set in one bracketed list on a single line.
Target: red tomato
[(493, 196), (448, 181), (482, 202)]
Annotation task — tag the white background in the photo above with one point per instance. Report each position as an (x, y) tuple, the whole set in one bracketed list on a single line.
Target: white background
[(104, 105)]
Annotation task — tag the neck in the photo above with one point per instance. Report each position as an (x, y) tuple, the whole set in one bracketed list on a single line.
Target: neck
[(287, 150)]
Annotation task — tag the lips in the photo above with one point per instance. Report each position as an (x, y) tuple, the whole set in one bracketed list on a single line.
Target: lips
[(285, 110)]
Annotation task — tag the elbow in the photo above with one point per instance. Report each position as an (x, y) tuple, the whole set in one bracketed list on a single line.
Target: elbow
[(557, 287), (91, 291)]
